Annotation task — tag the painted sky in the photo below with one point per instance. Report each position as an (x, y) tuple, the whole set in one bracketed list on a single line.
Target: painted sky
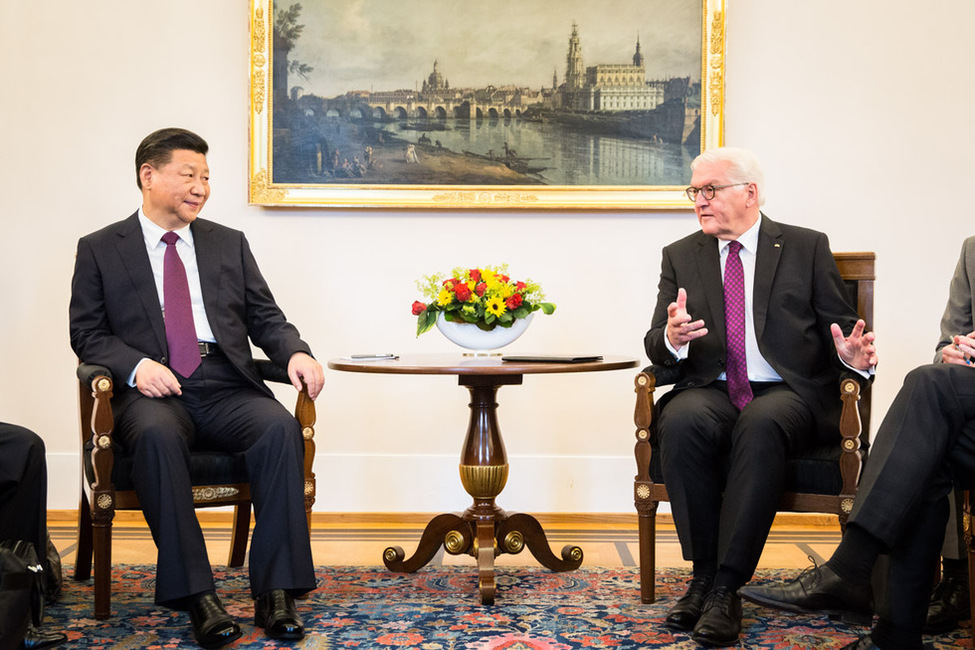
[(382, 45)]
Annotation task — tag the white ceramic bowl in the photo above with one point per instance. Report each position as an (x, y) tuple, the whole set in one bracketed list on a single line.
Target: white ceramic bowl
[(472, 337)]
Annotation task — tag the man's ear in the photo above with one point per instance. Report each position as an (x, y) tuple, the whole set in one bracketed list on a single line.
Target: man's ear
[(145, 175), (752, 198)]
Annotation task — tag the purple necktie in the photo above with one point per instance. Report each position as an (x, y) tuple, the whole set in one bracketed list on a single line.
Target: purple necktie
[(736, 370), (184, 351)]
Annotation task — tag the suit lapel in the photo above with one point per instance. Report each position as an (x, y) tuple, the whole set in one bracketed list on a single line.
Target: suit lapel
[(770, 245), (131, 247), (208, 263), (709, 268)]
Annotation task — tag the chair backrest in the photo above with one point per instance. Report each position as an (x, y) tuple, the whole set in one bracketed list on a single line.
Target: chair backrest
[(857, 271)]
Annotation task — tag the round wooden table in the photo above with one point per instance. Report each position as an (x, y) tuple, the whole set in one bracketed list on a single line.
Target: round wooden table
[(484, 530)]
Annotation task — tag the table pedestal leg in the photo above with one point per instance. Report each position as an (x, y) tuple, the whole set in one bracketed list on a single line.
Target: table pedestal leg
[(484, 530)]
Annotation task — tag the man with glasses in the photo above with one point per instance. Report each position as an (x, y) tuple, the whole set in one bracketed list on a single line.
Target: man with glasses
[(756, 316)]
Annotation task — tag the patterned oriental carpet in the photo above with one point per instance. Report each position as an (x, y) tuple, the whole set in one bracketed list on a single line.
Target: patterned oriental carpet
[(438, 608)]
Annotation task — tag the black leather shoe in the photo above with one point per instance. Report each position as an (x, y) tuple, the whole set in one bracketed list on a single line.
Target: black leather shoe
[(950, 604), (720, 622), (275, 612), (817, 590), (687, 610), (863, 643), (212, 625), (37, 639)]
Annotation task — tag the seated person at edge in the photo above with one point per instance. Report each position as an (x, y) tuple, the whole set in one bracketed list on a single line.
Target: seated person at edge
[(754, 312), (950, 602), (23, 509), (189, 381), (924, 447)]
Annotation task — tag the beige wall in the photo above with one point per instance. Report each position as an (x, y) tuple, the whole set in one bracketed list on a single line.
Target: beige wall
[(859, 111)]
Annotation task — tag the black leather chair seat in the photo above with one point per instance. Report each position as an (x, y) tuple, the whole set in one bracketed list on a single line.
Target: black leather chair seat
[(206, 468)]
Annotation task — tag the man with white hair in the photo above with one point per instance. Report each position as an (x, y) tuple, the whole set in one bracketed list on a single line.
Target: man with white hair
[(756, 316)]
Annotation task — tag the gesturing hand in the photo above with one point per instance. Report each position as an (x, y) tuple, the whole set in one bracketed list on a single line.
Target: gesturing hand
[(857, 349), (681, 330)]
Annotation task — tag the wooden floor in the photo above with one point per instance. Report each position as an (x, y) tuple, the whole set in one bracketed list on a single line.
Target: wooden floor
[(360, 538)]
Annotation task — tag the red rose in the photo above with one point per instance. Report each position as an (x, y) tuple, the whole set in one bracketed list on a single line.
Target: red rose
[(514, 301), (520, 286), (481, 288), (475, 275), (462, 291), (418, 308), (504, 278)]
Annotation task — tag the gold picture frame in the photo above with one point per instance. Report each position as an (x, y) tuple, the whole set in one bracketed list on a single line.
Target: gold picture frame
[(289, 168)]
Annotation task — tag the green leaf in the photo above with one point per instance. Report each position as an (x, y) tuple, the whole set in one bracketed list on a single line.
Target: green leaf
[(425, 321), (547, 307)]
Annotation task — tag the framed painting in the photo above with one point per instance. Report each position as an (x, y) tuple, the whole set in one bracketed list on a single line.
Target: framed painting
[(511, 104)]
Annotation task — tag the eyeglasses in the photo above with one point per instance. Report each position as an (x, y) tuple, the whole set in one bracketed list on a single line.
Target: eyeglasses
[(708, 190)]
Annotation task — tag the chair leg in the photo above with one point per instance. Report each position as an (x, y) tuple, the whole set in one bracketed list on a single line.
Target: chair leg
[(238, 536), (648, 555), (103, 569), (82, 562)]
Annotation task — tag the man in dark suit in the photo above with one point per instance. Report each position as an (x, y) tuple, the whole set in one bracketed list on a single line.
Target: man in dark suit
[(754, 312), (924, 447), (170, 304)]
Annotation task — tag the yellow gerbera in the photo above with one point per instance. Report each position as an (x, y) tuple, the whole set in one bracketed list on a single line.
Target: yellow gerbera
[(495, 306), (444, 298)]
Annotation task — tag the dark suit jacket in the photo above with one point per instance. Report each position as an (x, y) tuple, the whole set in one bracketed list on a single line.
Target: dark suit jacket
[(798, 292), (114, 311)]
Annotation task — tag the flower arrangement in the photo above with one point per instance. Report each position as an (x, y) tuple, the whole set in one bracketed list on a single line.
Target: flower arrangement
[(485, 297)]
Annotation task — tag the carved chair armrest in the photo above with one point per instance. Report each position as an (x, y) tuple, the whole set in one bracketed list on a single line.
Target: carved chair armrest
[(100, 425), (851, 457), (87, 372), (646, 383)]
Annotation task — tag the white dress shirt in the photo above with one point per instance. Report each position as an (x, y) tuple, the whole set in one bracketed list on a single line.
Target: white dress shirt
[(156, 247)]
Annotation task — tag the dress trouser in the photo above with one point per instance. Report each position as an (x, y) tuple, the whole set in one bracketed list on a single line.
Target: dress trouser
[(725, 471), (219, 410), (954, 547), (23, 487), (925, 445)]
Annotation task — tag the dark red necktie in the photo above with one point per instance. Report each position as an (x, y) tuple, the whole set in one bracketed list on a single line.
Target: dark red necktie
[(736, 370), (184, 351)]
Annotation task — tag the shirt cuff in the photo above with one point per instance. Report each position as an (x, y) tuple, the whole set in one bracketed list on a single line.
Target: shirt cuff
[(866, 374), (680, 354), (131, 380)]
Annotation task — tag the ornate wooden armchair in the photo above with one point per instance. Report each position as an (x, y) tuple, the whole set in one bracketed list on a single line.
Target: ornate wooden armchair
[(822, 479), (968, 515), (219, 479)]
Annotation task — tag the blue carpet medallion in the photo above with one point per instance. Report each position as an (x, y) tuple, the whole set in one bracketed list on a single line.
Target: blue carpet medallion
[(438, 608)]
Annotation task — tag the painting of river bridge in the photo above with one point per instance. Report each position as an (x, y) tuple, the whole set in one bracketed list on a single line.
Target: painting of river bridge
[(508, 104)]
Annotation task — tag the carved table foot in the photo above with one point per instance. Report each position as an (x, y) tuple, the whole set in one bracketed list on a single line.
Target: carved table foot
[(519, 530), (448, 530)]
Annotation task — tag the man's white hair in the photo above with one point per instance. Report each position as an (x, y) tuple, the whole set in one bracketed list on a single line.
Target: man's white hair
[(743, 166)]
